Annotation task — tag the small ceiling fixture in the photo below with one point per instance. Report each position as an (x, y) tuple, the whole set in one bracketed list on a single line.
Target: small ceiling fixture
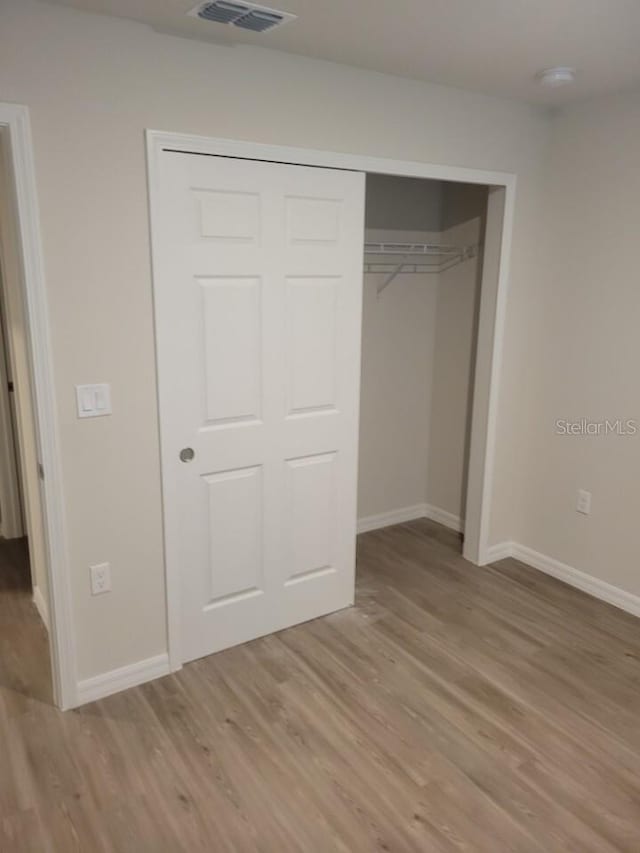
[(249, 16), (562, 75)]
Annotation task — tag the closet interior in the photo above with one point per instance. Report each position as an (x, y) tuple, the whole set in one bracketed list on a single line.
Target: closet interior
[(422, 281)]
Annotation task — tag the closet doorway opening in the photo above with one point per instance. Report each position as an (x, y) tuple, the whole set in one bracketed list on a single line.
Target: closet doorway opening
[(429, 252)]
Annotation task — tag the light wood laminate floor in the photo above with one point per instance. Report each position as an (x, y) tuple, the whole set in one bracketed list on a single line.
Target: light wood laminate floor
[(452, 709)]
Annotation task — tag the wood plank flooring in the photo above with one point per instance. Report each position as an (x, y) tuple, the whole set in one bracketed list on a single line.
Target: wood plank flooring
[(452, 709)]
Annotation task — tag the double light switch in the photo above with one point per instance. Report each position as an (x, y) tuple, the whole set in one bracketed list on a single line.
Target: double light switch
[(93, 401)]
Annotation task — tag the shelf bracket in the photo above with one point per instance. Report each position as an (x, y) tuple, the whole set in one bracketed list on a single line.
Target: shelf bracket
[(391, 277)]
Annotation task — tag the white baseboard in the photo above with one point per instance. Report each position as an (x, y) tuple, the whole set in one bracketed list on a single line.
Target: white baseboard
[(41, 606), (386, 519), (121, 679), (409, 513), (454, 522), (574, 577), (498, 552)]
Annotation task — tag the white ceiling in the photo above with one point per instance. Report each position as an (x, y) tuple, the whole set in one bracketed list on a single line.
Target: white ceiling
[(493, 46)]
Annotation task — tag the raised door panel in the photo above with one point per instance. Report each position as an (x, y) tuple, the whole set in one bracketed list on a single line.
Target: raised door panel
[(312, 303), (232, 349), (311, 522), (234, 568)]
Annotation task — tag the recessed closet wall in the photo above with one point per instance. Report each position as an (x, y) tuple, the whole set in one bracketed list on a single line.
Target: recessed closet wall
[(418, 348)]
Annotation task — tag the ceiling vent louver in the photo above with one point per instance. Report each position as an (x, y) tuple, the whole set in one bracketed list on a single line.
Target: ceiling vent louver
[(221, 12), (259, 21), (248, 16)]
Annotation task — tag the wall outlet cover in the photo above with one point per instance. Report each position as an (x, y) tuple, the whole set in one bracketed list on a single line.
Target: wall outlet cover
[(583, 504), (100, 578)]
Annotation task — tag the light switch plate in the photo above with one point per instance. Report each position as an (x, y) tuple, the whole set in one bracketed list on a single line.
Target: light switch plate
[(93, 401)]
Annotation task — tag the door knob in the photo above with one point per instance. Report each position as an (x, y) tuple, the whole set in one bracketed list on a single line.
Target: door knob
[(187, 454)]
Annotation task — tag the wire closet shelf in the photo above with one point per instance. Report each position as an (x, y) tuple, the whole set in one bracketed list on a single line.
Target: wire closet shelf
[(413, 258)]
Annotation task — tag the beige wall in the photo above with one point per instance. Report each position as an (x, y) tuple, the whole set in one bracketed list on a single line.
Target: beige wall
[(583, 346), (464, 209), (93, 84), (398, 340), (403, 204)]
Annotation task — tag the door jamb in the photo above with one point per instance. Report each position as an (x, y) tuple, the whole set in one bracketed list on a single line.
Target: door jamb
[(11, 523), (14, 121), (485, 409)]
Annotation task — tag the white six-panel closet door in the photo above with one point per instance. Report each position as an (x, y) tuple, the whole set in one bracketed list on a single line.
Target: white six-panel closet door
[(258, 289)]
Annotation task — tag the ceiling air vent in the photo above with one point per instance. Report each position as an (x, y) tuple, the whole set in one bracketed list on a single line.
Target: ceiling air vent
[(258, 19)]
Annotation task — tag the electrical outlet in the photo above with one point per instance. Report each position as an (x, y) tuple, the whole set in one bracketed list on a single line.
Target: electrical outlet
[(583, 504), (100, 578)]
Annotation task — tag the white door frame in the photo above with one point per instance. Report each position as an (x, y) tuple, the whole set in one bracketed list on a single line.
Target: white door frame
[(14, 122), (490, 333)]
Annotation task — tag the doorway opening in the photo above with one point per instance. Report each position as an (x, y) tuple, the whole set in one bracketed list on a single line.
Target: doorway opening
[(23, 249), (25, 659), (424, 263)]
